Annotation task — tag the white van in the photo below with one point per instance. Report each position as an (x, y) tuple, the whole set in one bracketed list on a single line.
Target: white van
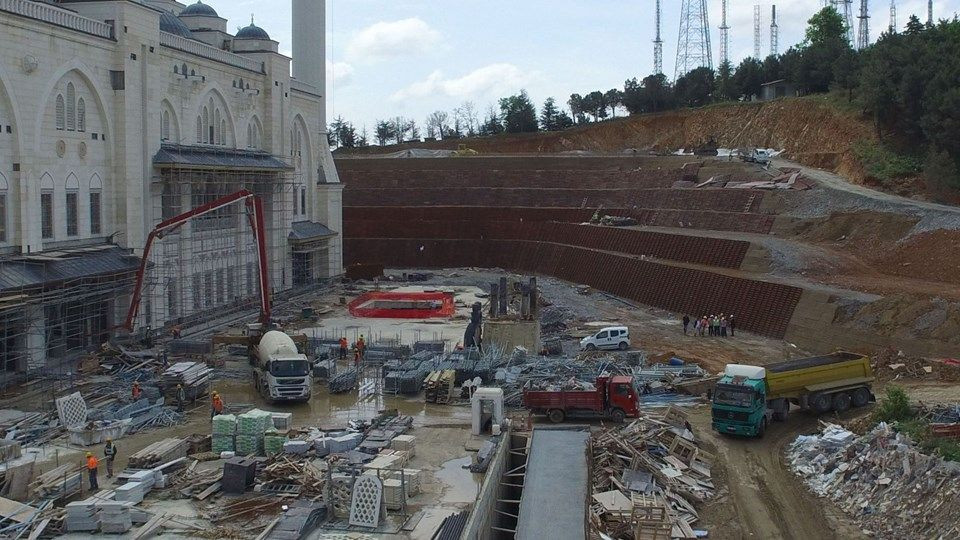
[(612, 337)]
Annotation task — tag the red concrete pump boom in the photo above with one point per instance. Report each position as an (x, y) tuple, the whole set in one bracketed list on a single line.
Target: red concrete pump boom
[(254, 204)]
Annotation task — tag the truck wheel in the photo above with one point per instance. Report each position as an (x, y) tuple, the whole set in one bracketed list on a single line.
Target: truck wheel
[(820, 403), (841, 402), (556, 416), (623, 346), (618, 416), (782, 415), (763, 429), (591, 347), (860, 397)]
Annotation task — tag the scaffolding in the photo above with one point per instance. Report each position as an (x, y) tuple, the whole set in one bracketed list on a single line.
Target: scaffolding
[(60, 305)]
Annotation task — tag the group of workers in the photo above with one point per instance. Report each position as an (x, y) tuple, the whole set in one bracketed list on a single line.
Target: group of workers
[(713, 325), (359, 349)]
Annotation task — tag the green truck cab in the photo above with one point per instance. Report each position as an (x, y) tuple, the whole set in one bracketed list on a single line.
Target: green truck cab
[(747, 398)]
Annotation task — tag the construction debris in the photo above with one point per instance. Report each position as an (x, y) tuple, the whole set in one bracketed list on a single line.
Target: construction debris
[(881, 480), (644, 478), (159, 453), (891, 365), (194, 376), (343, 382)]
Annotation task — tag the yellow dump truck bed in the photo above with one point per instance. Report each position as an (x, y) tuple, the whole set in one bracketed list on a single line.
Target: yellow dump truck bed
[(793, 378)]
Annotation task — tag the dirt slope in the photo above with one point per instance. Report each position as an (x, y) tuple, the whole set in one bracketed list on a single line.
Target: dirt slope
[(810, 129)]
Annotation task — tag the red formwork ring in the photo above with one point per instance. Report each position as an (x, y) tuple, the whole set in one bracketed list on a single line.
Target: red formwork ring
[(403, 305)]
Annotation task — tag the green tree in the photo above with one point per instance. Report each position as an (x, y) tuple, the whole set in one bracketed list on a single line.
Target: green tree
[(748, 79), (695, 88), (550, 115), (385, 132), (846, 72), (726, 90), (595, 104), (491, 124), (518, 113), (613, 98), (576, 108), (826, 40)]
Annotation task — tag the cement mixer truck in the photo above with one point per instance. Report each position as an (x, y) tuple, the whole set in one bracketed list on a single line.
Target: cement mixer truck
[(282, 372)]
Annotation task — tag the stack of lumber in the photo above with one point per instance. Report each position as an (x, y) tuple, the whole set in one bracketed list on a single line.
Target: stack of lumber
[(194, 376), (159, 453), (439, 386), (82, 516), (300, 472), (58, 483), (200, 484), (406, 443), (115, 516)]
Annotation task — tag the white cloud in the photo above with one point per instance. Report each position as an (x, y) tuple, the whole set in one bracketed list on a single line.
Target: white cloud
[(490, 81), (391, 39), (339, 72)]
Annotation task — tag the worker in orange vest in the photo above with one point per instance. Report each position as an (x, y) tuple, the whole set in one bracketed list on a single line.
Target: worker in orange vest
[(92, 464), (343, 348), (136, 390), (362, 346), (217, 405)]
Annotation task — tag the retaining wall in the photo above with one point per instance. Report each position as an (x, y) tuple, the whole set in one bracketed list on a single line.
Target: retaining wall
[(716, 252), (759, 306)]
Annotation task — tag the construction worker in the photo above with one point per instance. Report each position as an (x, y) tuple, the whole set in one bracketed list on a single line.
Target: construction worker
[(92, 471), (181, 397), (217, 405), (136, 391), (343, 348), (109, 454), (361, 346), (356, 355), (175, 331)]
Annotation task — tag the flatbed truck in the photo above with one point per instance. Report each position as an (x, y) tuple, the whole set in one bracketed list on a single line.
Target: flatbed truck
[(747, 398), (615, 397)]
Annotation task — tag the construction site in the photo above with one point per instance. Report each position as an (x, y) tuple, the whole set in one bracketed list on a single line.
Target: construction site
[(700, 323)]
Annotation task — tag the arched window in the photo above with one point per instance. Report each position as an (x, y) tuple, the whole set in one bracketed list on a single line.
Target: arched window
[(3, 208), (183, 69), (71, 107), (72, 205), (249, 135), (96, 211), (206, 125), (223, 132), (81, 115), (216, 123), (176, 69), (164, 126), (61, 114), (199, 130)]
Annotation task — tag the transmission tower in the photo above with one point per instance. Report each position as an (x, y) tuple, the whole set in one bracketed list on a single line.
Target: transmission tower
[(863, 39), (658, 46), (757, 38), (724, 35), (693, 44), (929, 12), (774, 31), (845, 10), (893, 16)]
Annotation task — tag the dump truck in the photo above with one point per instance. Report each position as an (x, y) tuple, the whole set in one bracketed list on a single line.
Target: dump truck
[(747, 398), (282, 373), (614, 397)]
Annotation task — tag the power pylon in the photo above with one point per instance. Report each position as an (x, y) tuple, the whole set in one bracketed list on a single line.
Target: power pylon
[(757, 38), (774, 31), (863, 39), (929, 12), (893, 17), (658, 46), (693, 43), (724, 34)]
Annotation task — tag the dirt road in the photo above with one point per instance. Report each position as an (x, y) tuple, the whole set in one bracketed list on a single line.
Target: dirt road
[(763, 498)]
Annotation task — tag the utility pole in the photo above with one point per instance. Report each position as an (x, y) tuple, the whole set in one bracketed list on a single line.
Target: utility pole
[(893, 17), (693, 43), (757, 38), (863, 39), (658, 46), (724, 34), (774, 31)]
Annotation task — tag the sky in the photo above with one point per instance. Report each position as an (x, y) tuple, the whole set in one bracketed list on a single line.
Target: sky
[(388, 58)]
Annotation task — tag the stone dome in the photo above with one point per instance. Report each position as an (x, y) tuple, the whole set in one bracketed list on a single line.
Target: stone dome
[(199, 9), (252, 32), (170, 23)]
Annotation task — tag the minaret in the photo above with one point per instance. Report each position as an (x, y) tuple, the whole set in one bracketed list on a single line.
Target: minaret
[(310, 48)]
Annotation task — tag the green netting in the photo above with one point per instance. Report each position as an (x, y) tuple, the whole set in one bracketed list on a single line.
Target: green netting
[(222, 443), (224, 424)]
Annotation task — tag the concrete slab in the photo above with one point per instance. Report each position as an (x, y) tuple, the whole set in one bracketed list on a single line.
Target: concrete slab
[(554, 500)]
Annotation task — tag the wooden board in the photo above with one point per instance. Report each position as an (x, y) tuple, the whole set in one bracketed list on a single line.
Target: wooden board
[(16, 511)]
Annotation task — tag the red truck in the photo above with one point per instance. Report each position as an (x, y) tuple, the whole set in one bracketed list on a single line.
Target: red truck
[(614, 398)]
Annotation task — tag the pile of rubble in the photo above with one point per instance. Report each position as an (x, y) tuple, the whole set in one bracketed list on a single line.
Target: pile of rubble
[(645, 476), (890, 365), (882, 480)]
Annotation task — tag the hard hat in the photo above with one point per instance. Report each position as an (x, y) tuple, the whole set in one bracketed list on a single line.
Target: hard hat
[(216, 393), (109, 439), (89, 454), (179, 386), (136, 383)]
